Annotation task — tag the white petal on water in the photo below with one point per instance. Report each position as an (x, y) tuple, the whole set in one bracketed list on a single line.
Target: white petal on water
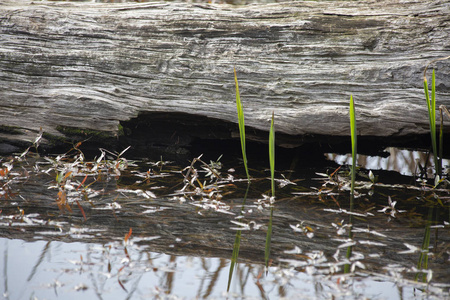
[(341, 231), (125, 260), (437, 226), (152, 209), (357, 264), (148, 194), (147, 238), (111, 206), (371, 243), (412, 249), (348, 244), (225, 211), (296, 228), (339, 211), (369, 231), (296, 250), (429, 275), (252, 225)]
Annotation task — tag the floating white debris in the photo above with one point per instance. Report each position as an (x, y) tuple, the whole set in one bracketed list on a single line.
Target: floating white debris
[(347, 244), (411, 249), (110, 206), (152, 209), (357, 264), (296, 250), (390, 209), (365, 230), (147, 238), (372, 243), (303, 229), (252, 225), (340, 211), (284, 182)]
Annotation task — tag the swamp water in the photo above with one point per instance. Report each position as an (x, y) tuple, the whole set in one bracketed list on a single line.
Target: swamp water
[(115, 229)]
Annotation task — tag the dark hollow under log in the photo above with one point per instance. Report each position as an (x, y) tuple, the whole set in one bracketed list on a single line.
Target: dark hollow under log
[(90, 66)]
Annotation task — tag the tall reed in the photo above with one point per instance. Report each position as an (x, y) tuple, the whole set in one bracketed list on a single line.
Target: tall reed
[(272, 180), (237, 243), (354, 144), (422, 264), (240, 112), (353, 174), (272, 155), (431, 105)]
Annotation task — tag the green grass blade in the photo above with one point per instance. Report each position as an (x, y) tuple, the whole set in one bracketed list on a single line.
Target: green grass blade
[(353, 179), (354, 143), (431, 105), (433, 98), (272, 155), (237, 243), (272, 178), (240, 112), (437, 154), (433, 118), (423, 258), (234, 257)]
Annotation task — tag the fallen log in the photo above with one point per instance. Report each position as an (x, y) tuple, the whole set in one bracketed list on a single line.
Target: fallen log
[(93, 67)]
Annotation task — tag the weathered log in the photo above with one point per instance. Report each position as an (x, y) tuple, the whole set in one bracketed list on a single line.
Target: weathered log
[(91, 66)]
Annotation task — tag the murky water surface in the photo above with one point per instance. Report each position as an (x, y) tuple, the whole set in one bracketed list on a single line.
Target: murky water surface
[(109, 228)]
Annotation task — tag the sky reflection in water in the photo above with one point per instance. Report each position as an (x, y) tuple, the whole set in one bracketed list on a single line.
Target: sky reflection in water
[(405, 162), (50, 270)]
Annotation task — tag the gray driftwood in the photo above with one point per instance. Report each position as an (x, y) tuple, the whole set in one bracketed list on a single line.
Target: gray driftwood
[(90, 65)]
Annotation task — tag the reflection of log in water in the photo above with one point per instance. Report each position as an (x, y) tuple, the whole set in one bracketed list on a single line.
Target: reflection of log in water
[(403, 161), (188, 230)]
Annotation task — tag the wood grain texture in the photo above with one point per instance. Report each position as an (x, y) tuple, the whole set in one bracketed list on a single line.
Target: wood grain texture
[(90, 65)]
